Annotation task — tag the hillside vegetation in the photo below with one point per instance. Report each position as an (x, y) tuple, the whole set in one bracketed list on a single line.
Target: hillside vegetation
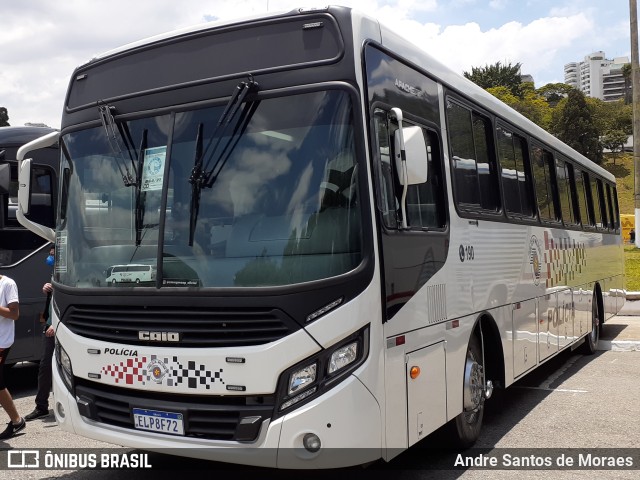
[(622, 167)]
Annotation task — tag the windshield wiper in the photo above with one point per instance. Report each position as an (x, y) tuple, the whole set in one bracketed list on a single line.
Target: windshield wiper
[(196, 181), (205, 175), (140, 195), (114, 133)]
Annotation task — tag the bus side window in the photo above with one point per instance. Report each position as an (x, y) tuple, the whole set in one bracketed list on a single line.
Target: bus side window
[(565, 192), (516, 174), (616, 209), (544, 181), (386, 200), (41, 210), (586, 215), (425, 202), (475, 171), (612, 223), (597, 191)]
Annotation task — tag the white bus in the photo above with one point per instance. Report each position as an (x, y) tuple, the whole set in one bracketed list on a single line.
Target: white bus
[(354, 245), (130, 273)]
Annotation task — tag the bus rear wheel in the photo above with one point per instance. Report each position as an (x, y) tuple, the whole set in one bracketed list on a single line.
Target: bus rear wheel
[(465, 428), (591, 341)]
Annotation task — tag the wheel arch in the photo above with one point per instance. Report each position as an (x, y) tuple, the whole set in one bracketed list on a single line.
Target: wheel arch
[(597, 290), (487, 331)]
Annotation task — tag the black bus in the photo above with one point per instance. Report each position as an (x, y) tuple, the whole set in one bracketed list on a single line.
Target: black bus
[(23, 253)]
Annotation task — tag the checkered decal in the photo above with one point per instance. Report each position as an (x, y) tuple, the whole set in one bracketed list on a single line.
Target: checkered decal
[(155, 370), (564, 259)]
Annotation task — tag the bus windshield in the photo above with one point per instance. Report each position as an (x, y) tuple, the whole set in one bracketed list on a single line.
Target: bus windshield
[(280, 205)]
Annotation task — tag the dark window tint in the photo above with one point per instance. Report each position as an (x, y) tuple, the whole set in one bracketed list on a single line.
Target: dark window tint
[(465, 171), (599, 208), (516, 176), (473, 158), (581, 193), (544, 181), (564, 174), (609, 200), (616, 210)]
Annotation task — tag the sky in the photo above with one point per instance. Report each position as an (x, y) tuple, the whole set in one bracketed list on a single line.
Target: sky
[(43, 41)]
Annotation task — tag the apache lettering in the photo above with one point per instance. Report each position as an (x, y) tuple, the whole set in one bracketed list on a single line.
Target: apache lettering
[(405, 87), (121, 351), (159, 336)]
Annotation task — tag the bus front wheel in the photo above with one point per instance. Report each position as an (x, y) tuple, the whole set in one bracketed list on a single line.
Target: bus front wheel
[(465, 428)]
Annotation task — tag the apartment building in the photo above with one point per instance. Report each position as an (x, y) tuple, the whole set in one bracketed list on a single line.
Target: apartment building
[(597, 76)]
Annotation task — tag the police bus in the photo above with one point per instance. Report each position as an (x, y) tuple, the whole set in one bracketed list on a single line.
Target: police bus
[(353, 244), (22, 253)]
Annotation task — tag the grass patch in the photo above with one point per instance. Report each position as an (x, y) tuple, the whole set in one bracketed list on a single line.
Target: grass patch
[(632, 268)]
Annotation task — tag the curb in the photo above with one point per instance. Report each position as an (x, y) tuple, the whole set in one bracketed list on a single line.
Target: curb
[(632, 295), (619, 345)]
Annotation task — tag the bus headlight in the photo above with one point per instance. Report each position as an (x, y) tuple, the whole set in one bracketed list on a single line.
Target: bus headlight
[(64, 366), (343, 356), (301, 379), (321, 372)]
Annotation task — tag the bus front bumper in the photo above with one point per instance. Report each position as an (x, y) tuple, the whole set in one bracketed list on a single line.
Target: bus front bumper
[(346, 420)]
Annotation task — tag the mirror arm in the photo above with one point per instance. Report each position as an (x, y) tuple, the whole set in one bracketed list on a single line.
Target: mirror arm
[(42, 142), (397, 113)]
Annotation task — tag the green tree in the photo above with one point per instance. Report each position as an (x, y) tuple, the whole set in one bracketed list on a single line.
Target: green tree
[(614, 140), (529, 103), (575, 126), (610, 116), (4, 117), (554, 92), (497, 75)]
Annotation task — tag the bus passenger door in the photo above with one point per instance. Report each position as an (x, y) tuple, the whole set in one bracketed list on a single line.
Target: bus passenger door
[(426, 391)]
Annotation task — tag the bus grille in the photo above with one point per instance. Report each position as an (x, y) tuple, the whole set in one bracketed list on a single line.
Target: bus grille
[(195, 327), (211, 417)]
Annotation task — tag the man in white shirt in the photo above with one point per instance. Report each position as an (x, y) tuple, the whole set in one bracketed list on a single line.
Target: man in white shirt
[(9, 313)]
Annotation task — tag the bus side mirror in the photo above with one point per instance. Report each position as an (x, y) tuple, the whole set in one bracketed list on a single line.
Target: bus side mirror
[(415, 153), (5, 178), (411, 159), (24, 185)]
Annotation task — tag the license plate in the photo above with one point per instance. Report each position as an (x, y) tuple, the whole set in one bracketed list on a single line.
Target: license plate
[(156, 421)]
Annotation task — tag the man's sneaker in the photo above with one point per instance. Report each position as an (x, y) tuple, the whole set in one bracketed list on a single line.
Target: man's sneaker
[(12, 429), (37, 413)]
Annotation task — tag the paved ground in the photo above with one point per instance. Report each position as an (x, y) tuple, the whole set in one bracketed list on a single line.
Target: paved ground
[(622, 332)]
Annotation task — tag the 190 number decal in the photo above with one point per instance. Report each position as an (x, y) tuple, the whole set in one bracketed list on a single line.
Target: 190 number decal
[(466, 252)]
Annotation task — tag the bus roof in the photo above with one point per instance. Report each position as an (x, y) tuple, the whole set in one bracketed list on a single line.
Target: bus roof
[(406, 49), (18, 136)]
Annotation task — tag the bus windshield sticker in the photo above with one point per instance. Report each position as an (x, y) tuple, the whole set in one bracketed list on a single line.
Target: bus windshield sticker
[(61, 253), (153, 171)]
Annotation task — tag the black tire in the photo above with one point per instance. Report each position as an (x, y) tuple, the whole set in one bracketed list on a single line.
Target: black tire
[(465, 428), (591, 340)]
